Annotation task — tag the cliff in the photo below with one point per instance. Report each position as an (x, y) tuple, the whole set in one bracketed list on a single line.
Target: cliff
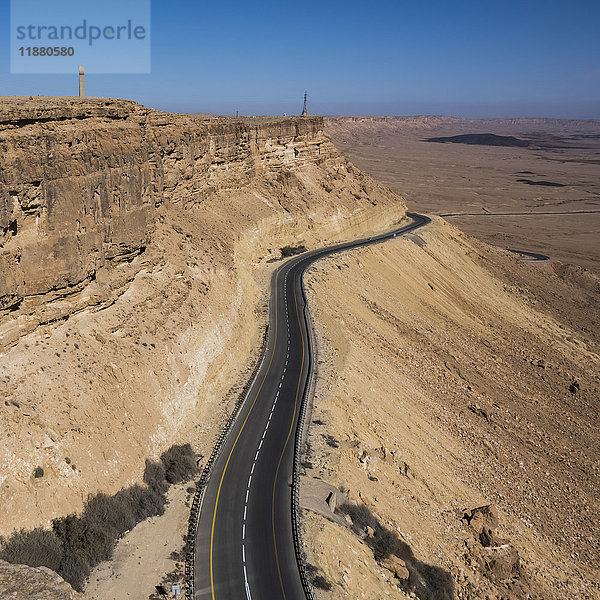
[(19, 582), (135, 249)]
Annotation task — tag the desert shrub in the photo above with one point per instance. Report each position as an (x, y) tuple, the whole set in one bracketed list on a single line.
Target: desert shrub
[(75, 561), (331, 441), (321, 583), (177, 555), (427, 581), (99, 542), (38, 472), (144, 501), (112, 514), (179, 463), (385, 543), (74, 569), (291, 250), (361, 516), (75, 564), (76, 544), (70, 531), (155, 477), (317, 578), (89, 539), (36, 548)]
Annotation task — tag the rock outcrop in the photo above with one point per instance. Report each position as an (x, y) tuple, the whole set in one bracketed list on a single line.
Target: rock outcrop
[(19, 582), (82, 182)]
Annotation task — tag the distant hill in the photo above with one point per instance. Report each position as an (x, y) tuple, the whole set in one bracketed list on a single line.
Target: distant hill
[(482, 139)]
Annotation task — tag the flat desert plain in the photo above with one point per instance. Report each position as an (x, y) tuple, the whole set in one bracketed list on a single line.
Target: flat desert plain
[(550, 172)]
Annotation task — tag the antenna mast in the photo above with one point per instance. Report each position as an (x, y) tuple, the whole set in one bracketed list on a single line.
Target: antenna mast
[(304, 113)]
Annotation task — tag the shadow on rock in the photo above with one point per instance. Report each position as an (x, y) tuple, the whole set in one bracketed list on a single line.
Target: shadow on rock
[(427, 582)]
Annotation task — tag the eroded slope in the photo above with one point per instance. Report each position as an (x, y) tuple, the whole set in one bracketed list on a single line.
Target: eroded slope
[(451, 377)]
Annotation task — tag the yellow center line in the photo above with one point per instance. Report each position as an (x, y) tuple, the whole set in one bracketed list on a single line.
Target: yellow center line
[(212, 532), (285, 447)]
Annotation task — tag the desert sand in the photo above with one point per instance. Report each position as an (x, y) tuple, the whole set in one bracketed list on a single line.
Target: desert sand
[(450, 374), (557, 173), (135, 252)]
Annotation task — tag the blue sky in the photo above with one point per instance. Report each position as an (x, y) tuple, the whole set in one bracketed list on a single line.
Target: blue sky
[(462, 58)]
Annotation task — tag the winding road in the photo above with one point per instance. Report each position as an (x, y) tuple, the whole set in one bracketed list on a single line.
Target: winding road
[(245, 542), (546, 213)]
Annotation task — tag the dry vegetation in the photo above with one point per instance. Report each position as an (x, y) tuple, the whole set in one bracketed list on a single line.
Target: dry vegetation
[(76, 544)]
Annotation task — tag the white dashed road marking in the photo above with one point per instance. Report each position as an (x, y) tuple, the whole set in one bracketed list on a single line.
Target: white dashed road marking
[(248, 596)]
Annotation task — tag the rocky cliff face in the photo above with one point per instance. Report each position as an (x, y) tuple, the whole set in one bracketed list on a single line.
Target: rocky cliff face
[(135, 251), (75, 188), (19, 582), (81, 182)]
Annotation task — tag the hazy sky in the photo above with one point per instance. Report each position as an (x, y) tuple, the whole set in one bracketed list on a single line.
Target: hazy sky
[(463, 58)]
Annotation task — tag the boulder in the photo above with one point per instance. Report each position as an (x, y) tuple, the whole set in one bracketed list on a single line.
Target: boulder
[(20, 582), (501, 563), (396, 566), (482, 517)]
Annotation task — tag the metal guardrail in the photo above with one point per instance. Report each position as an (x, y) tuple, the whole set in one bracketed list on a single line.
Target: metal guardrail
[(298, 451), (189, 578)]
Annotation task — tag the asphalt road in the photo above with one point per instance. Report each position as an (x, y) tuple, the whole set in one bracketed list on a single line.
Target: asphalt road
[(244, 543), (522, 214), (530, 256)]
